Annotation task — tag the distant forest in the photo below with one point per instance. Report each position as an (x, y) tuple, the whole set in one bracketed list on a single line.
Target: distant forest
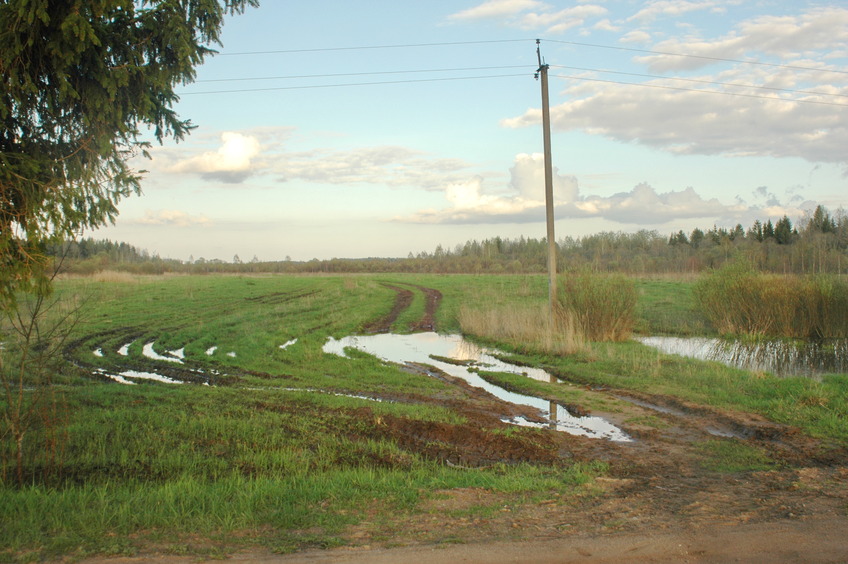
[(818, 243)]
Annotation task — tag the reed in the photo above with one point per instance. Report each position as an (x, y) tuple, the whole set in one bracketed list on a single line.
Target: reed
[(739, 300), (602, 306), (527, 328)]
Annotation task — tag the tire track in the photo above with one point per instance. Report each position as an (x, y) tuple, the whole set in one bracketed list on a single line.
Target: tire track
[(403, 299)]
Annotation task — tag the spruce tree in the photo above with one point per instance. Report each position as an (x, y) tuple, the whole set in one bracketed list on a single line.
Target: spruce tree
[(80, 78)]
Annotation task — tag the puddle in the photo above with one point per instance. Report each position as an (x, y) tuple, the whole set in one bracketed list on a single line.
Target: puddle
[(122, 376), (781, 358), (152, 354), (125, 350), (287, 344), (211, 350), (98, 353), (432, 348)]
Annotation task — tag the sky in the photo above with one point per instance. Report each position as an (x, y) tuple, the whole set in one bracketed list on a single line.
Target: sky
[(335, 129)]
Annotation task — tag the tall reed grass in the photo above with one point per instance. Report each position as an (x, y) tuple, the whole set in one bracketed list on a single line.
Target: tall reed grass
[(528, 328), (739, 300), (602, 306)]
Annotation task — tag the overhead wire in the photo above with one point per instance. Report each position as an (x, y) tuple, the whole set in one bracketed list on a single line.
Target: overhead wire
[(467, 69), (705, 57), (364, 47), (304, 87), (491, 41), (463, 69)]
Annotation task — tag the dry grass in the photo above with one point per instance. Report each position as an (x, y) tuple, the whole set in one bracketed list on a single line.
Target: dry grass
[(527, 328), (739, 300), (115, 276), (602, 305)]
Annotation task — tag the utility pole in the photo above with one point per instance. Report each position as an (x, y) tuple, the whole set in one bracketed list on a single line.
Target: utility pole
[(549, 180)]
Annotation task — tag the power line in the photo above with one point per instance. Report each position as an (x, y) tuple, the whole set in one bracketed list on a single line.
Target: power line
[(492, 41), (363, 47), (354, 84), (456, 78), (701, 91), (721, 59), (375, 73), (466, 69)]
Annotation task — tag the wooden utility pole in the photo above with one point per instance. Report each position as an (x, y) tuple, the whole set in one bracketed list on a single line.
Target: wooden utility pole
[(549, 180)]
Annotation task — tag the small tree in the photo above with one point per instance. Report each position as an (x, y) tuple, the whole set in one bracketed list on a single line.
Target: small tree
[(33, 335), (80, 77)]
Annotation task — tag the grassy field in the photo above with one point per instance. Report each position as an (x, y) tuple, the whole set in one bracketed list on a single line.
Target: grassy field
[(260, 459)]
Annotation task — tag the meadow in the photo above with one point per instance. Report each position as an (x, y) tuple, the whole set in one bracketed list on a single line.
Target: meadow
[(273, 443)]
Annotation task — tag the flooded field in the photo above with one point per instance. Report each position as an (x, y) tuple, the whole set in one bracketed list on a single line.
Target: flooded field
[(468, 359), (781, 358)]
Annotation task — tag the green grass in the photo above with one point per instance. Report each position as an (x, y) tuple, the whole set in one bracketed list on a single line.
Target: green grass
[(667, 307), (259, 460), (732, 456)]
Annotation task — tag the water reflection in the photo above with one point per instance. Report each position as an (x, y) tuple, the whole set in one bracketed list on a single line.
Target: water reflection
[(435, 350), (781, 358)]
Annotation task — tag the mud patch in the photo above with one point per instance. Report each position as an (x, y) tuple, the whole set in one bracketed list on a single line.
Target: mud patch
[(463, 445), (423, 350), (403, 299)]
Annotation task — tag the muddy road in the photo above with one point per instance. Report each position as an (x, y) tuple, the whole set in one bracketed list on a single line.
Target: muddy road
[(659, 502)]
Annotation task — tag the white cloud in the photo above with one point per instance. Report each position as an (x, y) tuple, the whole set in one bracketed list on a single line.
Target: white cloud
[(496, 9), (527, 177), (558, 22), (636, 36), (232, 162), (814, 34), (672, 116), (677, 8), (532, 15), (388, 165), (469, 202), (644, 206), (263, 152), (170, 217)]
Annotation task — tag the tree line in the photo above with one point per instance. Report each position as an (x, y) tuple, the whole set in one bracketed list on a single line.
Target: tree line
[(817, 243)]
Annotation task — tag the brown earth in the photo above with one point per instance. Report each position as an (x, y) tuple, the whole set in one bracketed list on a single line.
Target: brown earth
[(660, 501)]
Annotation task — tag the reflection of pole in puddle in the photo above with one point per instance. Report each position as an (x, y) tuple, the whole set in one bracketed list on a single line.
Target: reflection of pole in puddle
[(553, 408), (554, 419)]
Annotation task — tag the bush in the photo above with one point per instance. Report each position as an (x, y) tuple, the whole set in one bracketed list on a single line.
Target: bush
[(739, 300), (602, 306)]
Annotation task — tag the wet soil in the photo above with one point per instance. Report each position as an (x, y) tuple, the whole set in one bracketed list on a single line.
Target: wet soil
[(660, 501), (403, 299)]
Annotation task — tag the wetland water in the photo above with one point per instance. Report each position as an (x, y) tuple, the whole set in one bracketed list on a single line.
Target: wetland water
[(781, 358), (428, 348)]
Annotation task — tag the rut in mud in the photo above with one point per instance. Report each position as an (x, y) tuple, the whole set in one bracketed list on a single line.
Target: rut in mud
[(403, 299)]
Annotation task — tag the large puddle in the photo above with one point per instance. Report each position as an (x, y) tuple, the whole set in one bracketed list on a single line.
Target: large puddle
[(431, 348), (781, 358)]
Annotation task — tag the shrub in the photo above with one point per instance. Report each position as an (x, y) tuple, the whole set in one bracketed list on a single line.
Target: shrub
[(739, 300)]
